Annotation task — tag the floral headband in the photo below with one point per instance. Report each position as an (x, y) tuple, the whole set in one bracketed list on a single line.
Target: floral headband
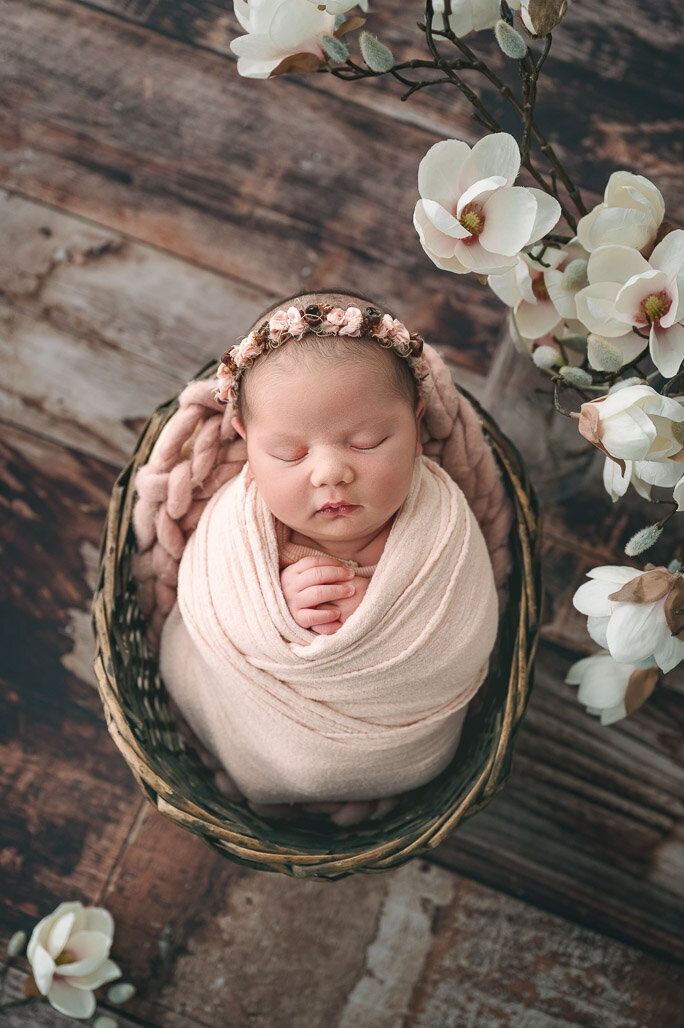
[(321, 320)]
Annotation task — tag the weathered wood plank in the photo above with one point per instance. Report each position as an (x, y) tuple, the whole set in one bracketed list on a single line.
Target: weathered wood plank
[(605, 806), (208, 943), (67, 800)]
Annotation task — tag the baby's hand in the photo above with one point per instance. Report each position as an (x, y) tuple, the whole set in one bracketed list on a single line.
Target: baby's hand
[(313, 581)]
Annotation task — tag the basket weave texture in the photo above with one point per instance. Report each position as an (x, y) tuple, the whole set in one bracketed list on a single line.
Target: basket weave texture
[(172, 777)]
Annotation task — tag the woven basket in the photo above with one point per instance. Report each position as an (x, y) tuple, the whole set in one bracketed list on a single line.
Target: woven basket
[(172, 777)]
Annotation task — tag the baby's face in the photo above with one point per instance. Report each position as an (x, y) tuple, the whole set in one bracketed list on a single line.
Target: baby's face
[(331, 447)]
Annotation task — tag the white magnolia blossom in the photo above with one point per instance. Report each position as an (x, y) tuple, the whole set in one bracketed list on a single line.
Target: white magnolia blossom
[(69, 956), (634, 423), (540, 296), (630, 215), (610, 690), (634, 630), (470, 216), (472, 15), (626, 291), (276, 30)]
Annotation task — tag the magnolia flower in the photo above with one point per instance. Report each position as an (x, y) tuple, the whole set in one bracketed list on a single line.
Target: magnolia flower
[(470, 216), (610, 690), (69, 956), (634, 423), (626, 291), (472, 15), (541, 296), (636, 615), (630, 215), (282, 36)]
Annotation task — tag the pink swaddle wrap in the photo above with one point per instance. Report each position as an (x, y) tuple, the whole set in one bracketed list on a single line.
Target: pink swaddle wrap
[(370, 711)]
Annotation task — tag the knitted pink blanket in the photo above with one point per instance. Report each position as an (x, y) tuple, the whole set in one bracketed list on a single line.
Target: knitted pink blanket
[(370, 711)]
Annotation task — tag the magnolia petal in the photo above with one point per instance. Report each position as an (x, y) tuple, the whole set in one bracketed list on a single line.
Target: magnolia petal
[(577, 671), (636, 289), (629, 435), (612, 714), (617, 574), (73, 1002), (616, 225), (667, 349), (439, 171), (596, 307), (596, 627), (474, 257), (89, 950), (97, 919), (443, 221), (243, 13), (669, 653), (432, 240), (485, 14), (294, 23), (663, 473), (548, 213), (635, 631), (653, 585), (536, 319), (256, 47), (562, 299), (60, 932), (615, 264), (106, 972), (461, 17), (592, 598), (495, 154), (668, 255), (509, 217), (625, 189), (678, 494), (615, 480), (505, 286), (43, 967), (480, 191)]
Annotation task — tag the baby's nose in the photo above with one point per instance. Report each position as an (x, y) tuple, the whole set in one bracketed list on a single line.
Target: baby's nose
[(330, 468)]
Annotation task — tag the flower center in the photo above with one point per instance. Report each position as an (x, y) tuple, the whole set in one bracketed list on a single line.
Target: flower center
[(539, 288), (64, 958), (473, 219), (655, 307)]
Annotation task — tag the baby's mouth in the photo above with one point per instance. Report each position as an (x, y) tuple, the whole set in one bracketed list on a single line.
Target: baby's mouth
[(337, 508)]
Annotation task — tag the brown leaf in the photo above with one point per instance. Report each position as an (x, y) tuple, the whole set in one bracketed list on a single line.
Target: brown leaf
[(30, 987), (641, 684), (350, 25), (674, 607), (647, 588), (297, 64), (545, 15)]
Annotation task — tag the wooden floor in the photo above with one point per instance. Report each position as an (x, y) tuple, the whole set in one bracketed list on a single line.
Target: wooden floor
[(151, 203)]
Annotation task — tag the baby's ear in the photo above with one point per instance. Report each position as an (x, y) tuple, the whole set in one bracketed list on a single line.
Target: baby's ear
[(239, 427)]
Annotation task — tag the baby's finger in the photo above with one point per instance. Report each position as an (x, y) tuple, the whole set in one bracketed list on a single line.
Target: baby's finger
[(316, 594), (322, 573), (310, 617)]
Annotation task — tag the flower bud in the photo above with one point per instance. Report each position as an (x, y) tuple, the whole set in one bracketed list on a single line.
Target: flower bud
[(574, 276), (643, 540), (545, 357), (121, 993), (335, 48), (377, 56), (16, 945), (105, 1022), (603, 354), (576, 376), (510, 41)]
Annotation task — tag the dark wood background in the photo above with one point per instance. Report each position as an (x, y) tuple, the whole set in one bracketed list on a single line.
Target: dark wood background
[(152, 202)]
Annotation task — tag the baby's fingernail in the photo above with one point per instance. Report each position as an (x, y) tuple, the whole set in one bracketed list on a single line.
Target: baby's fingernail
[(350, 590), (349, 573)]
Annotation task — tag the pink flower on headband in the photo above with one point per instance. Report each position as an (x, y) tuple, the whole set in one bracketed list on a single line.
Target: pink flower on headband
[(247, 349), (296, 324), (352, 322), (396, 331), (278, 323), (334, 320), (224, 389)]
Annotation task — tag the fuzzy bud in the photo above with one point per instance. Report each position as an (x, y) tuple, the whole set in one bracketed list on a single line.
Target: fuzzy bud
[(574, 276), (674, 566), (545, 357), (603, 354), (16, 945), (643, 539), (121, 993), (510, 41), (335, 48), (377, 56), (576, 376)]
